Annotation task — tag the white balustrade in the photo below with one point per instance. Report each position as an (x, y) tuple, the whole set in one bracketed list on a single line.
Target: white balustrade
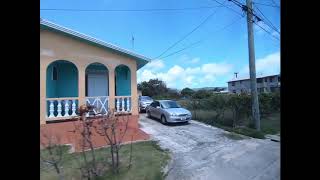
[(73, 107), (123, 103), (100, 104), (51, 109), (66, 108), (60, 107), (128, 104), (118, 104)]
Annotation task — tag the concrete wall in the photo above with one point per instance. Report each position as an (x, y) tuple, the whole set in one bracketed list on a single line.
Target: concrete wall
[(55, 46)]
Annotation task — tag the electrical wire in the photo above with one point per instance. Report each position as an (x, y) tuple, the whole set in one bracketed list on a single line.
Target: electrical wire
[(266, 31), (222, 4), (270, 24), (129, 10), (270, 5), (200, 41), (188, 34)]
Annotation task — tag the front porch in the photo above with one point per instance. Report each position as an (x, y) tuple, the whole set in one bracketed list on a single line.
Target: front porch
[(69, 85)]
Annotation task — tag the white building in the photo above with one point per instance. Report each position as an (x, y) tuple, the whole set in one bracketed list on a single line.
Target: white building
[(269, 83)]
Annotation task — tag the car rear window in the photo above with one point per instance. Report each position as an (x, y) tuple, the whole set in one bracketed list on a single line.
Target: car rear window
[(170, 104), (146, 98)]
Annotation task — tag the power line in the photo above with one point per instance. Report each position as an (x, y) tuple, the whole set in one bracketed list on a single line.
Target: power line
[(188, 34), (274, 3), (187, 47), (266, 31), (222, 4), (245, 8), (270, 5), (132, 10), (200, 41), (270, 24)]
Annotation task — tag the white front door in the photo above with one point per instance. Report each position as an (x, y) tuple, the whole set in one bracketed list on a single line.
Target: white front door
[(97, 84)]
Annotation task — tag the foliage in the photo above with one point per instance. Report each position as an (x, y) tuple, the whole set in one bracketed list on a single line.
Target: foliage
[(240, 104), (113, 129), (154, 87), (52, 154), (147, 163), (201, 94), (234, 111), (187, 92)]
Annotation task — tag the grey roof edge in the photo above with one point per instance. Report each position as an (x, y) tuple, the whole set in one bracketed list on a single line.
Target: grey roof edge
[(241, 79), (92, 39)]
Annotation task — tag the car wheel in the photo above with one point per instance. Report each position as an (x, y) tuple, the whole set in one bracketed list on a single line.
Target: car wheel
[(163, 119), (148, 114)]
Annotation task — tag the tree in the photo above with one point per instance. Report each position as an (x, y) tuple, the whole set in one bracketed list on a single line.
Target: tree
[(219, 103), (52, 153), (187, 92), (201, 94), (113, 128), (89, 169), (154, 87), (240, 105)]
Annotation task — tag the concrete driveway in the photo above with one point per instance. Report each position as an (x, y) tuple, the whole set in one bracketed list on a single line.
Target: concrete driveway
[(204, 152)]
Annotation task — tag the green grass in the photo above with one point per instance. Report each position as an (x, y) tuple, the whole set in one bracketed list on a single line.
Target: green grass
[(233, 136), (270, 124), (147, 162)]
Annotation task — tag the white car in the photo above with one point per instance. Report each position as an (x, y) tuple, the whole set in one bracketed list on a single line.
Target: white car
[(168, 111)]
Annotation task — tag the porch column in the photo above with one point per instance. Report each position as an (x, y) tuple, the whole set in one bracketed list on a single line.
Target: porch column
[(111, 87), (82, 85), (43, 104), (134, 90)]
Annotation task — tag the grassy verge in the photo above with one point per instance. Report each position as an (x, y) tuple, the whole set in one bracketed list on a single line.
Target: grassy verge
[(233, 136), (147, 162), (270, 124)]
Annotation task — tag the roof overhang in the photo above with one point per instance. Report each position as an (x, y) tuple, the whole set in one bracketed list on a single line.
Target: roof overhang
[(140, 59)]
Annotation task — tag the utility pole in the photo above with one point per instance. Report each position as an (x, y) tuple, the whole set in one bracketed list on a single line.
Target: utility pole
[(252, 67), (236, 75)]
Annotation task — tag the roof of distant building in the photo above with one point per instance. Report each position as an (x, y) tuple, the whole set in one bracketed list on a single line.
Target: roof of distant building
[(246, 78)]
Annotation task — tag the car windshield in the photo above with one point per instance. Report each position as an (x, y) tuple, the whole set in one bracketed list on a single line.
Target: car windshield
[(145, 98), (170, 104)]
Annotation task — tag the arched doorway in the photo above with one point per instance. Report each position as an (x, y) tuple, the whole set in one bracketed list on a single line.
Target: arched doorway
[(123, 88), (61, 89), (97, 87), (123, 80)]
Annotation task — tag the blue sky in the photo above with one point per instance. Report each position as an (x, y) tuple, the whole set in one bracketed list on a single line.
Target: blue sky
[(212, 62)]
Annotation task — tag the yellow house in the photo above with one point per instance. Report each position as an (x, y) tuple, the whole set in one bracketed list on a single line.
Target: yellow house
[(76, 69)]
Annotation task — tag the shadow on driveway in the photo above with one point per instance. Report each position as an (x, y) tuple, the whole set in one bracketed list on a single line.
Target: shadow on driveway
[(168, 124)]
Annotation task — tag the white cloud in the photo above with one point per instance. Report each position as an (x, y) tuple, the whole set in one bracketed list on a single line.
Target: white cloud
[(180, 77), (267, 65), (217, 69), (187, 59), (194, 60), (155, 65)]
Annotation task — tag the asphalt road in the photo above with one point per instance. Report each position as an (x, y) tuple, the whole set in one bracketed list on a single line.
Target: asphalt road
[(202, 152)]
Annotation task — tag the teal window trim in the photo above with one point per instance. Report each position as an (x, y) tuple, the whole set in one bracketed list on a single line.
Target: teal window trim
[(54, 73)]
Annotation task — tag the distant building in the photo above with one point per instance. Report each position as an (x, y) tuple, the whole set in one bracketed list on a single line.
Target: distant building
[(213, 89), (264, 84)]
